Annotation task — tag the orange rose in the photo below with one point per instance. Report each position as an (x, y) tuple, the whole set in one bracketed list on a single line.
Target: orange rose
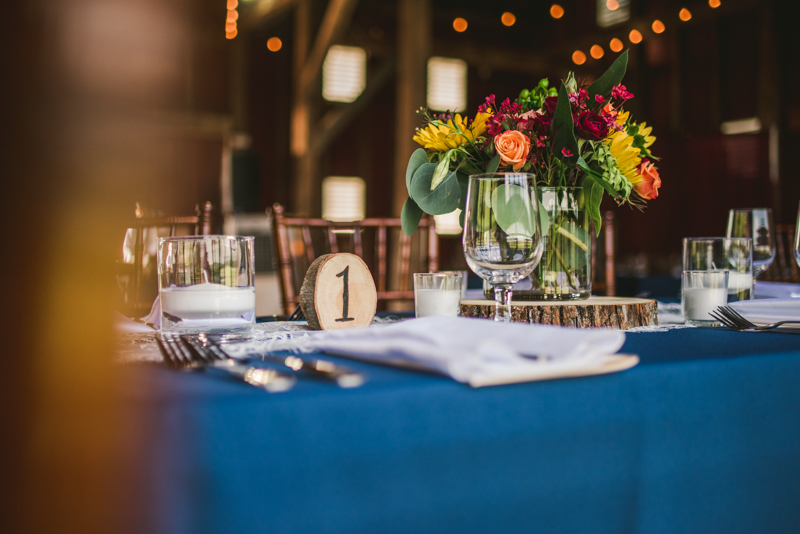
[(513, 147), (651, 181)]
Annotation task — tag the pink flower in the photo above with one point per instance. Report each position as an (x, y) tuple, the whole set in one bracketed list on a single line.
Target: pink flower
[(620, 91), (599, 99), (566, 152), (513, 147)]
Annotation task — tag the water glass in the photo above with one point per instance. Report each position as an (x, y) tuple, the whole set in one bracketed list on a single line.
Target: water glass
[(733, 254), (755, 223), (206, 284), (437, 294), (703, 292)]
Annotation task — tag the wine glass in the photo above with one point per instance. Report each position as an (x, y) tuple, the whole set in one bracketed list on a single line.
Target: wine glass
[(502, 232), (797, 240), (755, 223)]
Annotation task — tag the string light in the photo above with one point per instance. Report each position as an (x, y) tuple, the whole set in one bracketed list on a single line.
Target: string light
[(578, 57), (714, 3), (596, 51), (658, 26), (233, 15), (635, 36), (230, 26), (508, 19), (685, 14), (612, 5), (460, 25), (274, 44), (231, 34), (233, 4), (230, 19), (556, 11), (615, 45)]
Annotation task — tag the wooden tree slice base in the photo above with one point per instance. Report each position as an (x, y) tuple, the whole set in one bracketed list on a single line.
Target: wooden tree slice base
[(612, 312)]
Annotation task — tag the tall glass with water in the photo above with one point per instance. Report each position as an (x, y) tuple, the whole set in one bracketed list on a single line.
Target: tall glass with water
[(732, 254), (755, 223), (502, 233), (206, 283)]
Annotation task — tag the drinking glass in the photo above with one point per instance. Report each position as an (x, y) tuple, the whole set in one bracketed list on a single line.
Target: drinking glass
[(206, 284), (502, 233), (733, 254), (755, 223), (797, 240)]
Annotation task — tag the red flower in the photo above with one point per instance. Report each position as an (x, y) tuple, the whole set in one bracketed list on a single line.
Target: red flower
[(599, 99), (620, 91), (591, 126), (550, 105), (567, 153)]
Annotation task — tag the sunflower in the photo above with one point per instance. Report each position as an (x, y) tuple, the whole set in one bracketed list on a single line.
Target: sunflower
[(438, 137), (620, 145)]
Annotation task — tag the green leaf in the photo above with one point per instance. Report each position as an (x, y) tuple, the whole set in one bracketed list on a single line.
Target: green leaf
[(493, 164), (513, 210), (598, 177), (612, 77), (593, 192), (563, 130), (417, 159), (442, 168), (439, 201), (410, 217), (544, 218)]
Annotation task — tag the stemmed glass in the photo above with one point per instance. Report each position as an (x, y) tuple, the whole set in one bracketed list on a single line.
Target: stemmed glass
[(755, 223), (797, 240), (502, 232)]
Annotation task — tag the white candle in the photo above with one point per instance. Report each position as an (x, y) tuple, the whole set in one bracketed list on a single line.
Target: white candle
[(739, 282), (699, 301), (437, 302), (208, 301)]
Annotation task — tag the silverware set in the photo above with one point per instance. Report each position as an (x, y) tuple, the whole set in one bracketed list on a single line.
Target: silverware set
[(187, 352), (734, 320)]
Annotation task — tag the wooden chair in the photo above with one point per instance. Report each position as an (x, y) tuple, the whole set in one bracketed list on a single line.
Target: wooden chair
[(138, 290), (300, 240), (784, 266), (603, 254)]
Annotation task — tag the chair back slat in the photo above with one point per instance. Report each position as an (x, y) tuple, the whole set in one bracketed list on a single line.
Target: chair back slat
[(377, 229)]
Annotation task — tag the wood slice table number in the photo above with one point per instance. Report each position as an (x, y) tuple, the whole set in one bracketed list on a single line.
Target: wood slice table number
[(338, 292)]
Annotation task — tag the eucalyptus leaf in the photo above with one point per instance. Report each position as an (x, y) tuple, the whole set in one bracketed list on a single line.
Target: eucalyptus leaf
[(439, 201), (410, 217), (493, 164), (417, 159), (610, 78), (513, 210), (562, 129)]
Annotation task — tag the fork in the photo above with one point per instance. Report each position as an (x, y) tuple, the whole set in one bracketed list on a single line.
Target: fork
[(183, 353), (733, 319)]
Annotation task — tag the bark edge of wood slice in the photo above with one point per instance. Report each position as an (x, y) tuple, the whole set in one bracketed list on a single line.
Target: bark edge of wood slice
[(610, 312), (338, 292)]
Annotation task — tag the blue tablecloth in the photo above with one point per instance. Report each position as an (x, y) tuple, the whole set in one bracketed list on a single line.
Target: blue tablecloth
[(702, 436)]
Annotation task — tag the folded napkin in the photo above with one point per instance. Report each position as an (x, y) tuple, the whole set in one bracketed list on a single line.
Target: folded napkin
[(776, 290), (125, 325), (768, 310), (476, 351)]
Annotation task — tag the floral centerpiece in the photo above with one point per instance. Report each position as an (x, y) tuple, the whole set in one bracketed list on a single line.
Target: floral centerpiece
[(578, 141)]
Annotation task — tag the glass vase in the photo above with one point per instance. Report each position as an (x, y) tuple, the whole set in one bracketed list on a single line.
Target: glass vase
[(565, 270)]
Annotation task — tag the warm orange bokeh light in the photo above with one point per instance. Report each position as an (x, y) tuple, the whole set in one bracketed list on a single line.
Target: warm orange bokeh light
[(233, 4), (635, 36), (658, 26), (556, 11), (578, 57), (714, 3), (615, 45), (233, 15), (596, 51), (230, 26), (459, 25), (685, 14), (274, 44), (508, 19), (231, 34), (612, 5)]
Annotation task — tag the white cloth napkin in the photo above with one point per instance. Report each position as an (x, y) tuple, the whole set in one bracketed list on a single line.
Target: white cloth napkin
[(776, 290), (125, 325), (474, 351), (768, 310)]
